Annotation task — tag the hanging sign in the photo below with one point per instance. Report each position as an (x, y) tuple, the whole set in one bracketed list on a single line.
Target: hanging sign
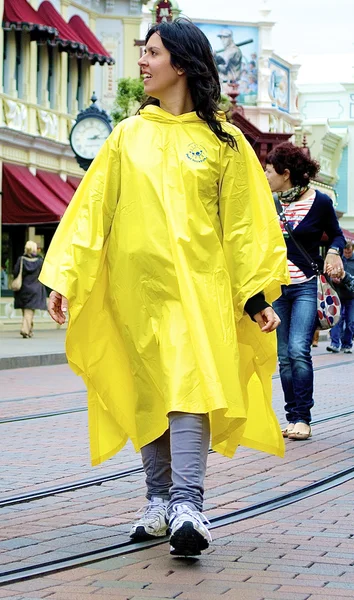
[(163, 11)]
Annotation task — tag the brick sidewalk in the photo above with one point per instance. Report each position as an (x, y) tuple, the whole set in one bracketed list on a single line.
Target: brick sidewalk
[(299, 552)]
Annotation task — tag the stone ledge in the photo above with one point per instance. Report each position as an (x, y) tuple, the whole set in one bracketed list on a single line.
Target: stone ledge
[(39, 360)]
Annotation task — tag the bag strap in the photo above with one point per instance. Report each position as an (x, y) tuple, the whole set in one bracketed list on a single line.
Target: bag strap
[(287, 227)]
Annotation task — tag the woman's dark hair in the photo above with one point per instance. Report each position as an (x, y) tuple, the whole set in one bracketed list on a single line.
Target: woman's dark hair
[(287, 156), (191, 51)]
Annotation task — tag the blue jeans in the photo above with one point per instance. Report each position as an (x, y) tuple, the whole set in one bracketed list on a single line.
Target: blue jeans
[(175, 463), (342, 333), (297, 309)]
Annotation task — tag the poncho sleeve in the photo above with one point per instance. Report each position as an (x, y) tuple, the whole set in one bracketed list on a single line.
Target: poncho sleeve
[(75, 252), (253, 244)]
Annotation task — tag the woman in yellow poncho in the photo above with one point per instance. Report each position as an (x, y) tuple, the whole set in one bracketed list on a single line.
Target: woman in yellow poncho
[(170, 238)]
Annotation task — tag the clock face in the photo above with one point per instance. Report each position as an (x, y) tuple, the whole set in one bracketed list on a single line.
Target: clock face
[(88, 135)]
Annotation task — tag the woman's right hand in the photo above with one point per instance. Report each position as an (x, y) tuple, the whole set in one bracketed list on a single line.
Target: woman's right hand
[(57, 307)]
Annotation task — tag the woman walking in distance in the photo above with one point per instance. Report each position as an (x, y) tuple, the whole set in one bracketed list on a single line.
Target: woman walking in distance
[(32, 295), (309, 214), (171, 237)]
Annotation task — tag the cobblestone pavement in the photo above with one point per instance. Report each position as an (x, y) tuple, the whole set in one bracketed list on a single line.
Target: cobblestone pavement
[(302, 551)]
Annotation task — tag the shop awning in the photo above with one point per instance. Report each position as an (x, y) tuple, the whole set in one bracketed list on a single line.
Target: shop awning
[(56, 185), (26, 200), (74, 182), (96, 52), (20, 16), (67, 40)]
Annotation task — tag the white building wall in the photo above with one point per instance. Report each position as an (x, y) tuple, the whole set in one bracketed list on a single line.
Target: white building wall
[(328, 122)]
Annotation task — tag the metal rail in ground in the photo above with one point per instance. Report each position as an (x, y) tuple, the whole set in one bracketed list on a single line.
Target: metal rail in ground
[(50, 567), (91, 481)]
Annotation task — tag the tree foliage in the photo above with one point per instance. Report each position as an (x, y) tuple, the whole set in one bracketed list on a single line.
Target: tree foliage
[(130, 94)]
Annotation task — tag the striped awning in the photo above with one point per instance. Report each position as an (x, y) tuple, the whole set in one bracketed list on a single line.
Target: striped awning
[(20, 16)]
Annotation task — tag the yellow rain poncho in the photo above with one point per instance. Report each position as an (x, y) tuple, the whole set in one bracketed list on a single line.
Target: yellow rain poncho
[(169, 234)]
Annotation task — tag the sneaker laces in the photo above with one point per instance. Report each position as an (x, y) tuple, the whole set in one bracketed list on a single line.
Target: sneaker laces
[(178, 516), (153, 510)]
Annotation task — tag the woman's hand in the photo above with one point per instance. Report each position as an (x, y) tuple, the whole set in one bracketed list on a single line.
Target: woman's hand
[(57, 307), (333, 265), (267, 319)]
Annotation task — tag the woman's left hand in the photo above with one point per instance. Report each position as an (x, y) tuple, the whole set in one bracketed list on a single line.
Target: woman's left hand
[(333, 265), (267, 319)]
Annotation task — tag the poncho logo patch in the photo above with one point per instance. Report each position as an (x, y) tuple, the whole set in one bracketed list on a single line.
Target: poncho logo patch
[(196, 153)]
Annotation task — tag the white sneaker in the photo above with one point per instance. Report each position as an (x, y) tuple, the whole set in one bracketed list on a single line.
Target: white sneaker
[(189, 535), (153, 522)]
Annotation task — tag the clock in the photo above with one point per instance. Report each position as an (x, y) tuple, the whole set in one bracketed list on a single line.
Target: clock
[(88, 134)]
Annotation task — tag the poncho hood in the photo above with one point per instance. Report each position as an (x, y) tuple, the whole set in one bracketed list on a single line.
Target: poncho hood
[(155, 113)]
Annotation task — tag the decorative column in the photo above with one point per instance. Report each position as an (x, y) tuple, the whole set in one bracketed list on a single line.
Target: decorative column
[(91, 84), (265, 52), (1, 54), (131, 52), (1, 123), (31, 86), (294, 71)]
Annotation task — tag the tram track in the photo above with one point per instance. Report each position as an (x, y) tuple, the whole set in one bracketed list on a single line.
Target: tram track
[(55, 413), (84, 408), (18, 572), (92, 481), (128, 546)]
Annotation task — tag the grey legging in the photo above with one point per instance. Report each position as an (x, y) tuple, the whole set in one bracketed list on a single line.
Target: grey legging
[(175, 463)]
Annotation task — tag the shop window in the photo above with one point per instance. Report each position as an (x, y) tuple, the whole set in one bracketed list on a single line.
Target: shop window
[(39, 74), (51, 78), (6, 64), (69, 90), (19, 74), (80, 85)]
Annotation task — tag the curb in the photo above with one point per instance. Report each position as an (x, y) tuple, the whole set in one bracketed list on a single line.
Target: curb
[(39, 360)]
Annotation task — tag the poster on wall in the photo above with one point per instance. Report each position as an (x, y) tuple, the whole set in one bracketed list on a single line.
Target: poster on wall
[(279, 85), (235, 49)]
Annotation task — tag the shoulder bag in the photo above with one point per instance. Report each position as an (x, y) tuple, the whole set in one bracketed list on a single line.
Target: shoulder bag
[(17, 282), (328, 302)]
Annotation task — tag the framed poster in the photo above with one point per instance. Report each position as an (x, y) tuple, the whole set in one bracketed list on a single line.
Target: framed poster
[(279, 85), (235, 49)]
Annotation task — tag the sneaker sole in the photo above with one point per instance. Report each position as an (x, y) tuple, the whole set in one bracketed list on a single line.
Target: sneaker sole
[(139, 535), (187, 541)]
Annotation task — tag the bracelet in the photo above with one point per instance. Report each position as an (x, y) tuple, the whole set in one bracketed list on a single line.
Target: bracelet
[(333, 252)]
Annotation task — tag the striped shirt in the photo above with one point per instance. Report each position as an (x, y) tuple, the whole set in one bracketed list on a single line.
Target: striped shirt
[(295, 212)]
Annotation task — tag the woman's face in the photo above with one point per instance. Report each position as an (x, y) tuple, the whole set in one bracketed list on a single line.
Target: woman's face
[(160, 76), (277, 183)]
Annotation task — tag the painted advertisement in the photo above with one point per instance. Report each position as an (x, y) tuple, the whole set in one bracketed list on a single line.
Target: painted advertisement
[(235, 49), (279, 85)]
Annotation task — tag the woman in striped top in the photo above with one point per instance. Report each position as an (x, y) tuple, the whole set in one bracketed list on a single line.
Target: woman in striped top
[(310, 214)]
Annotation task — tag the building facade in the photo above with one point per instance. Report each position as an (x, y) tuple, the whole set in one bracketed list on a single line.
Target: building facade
[(55, 54), (327, 112), (263, 83)]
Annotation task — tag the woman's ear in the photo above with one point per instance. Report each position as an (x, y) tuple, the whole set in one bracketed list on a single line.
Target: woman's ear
[(286, 174)]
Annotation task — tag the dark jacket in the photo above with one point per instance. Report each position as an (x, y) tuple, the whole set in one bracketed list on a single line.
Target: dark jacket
[(348, 282), (344, 292), (320, 219), (32, 293)]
